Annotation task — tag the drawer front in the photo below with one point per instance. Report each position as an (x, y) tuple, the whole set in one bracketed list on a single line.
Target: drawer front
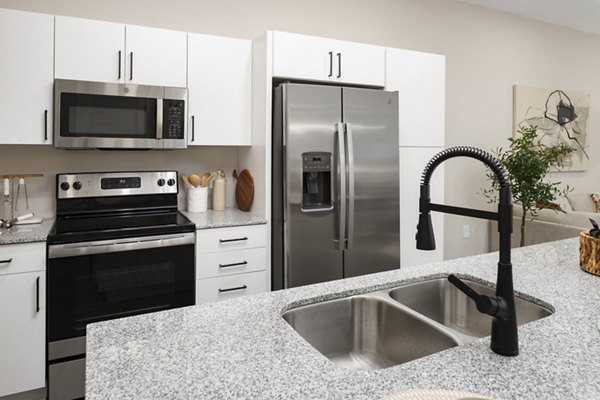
[(228, 287), (234, 238), (23, 257), (211, 265)]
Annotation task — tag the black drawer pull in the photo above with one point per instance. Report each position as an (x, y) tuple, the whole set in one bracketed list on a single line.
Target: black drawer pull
[(233, 288), (37, 294), (330, 64), (6, 261), (233, 265), (233, 240)]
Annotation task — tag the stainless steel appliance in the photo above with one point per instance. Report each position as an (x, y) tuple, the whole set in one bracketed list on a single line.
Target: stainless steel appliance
[(118, 116), (335, 183), (118, 248)]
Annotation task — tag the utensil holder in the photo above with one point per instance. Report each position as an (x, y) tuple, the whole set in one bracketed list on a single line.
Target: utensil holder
[(589, 253), (197, 199)]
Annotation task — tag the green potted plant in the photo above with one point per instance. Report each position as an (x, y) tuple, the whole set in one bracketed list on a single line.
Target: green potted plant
[(527, 162)]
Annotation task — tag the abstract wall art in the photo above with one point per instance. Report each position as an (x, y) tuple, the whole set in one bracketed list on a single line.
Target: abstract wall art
[(560, 115)]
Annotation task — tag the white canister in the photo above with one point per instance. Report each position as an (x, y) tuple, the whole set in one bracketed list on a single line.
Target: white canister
[(218, 199), (197, 199)]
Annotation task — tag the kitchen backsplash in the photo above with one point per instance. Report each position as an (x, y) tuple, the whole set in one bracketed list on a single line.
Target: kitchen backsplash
[(50, 161)]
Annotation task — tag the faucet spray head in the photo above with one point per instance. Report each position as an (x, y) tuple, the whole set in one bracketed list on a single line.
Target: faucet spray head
[(425, 237)]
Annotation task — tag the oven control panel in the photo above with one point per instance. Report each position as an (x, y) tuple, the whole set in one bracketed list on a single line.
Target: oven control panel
[(115, 184)]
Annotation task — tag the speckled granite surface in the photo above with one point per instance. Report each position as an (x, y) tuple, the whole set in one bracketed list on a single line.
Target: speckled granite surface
[(26, 233), (243, 349), (221, 219)]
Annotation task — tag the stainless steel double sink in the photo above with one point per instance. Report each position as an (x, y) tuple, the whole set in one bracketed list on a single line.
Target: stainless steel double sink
[(392, 326)]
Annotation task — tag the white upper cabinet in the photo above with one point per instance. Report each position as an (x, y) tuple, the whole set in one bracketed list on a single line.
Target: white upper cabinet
[(26, 71), (220, 96), (359, 63), (320, 59), (110, 52), (89, 50), (156, 56), (420, 80)]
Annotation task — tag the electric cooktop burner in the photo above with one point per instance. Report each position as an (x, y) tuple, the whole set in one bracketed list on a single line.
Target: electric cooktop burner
[(103, 206)]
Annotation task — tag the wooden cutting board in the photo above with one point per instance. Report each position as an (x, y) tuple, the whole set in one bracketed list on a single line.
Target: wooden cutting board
[(244, 189)]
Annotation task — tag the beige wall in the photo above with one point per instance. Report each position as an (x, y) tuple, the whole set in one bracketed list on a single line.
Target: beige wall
[(487, 53)]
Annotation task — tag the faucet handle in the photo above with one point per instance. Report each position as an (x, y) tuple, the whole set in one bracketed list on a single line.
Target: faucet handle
[(485, 304)]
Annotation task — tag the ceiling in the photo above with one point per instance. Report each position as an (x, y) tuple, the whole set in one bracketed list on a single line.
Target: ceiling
[(583, 15)]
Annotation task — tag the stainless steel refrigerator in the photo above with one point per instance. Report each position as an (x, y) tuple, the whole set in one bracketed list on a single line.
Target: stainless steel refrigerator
[(335, 205)]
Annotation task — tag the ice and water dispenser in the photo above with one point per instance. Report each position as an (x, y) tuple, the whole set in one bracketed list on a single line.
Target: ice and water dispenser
[(316, 181)]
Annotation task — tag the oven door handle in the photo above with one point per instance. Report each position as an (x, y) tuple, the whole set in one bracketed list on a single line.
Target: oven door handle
[(113, 246)]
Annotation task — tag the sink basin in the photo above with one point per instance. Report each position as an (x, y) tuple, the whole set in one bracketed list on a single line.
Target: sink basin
[(440, 301), (366, 332), (392, 326)]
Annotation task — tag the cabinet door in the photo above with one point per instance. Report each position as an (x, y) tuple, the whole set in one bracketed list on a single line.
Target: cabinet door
[(22, 337), (219, 82), (155, 56), (26, 71), (420, 80), (359, 63), (302, 57), (412, 162), (89, 50)]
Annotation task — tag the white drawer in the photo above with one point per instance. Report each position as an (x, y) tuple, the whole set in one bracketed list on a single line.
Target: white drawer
[(211, 265), (22, 257), (228, 287), (234, 238)]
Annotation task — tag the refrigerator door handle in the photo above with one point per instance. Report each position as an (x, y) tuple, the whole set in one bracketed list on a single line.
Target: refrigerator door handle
[(341, 241), (350, 161)]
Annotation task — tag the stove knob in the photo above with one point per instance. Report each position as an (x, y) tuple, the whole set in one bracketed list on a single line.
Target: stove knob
[(65, 186), (161, 182), (171, 182), (76, 185)]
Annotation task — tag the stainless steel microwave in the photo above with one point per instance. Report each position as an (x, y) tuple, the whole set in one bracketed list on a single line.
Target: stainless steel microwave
[(96, 115)]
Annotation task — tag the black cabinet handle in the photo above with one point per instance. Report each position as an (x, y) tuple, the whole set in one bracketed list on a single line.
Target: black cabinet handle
[(330, 64), (131, 66), (6, 261), (339, 56), (233, 240), (37, 294), (193, 128), (45, 124), (119, 65), (233, 288), (233, 265)]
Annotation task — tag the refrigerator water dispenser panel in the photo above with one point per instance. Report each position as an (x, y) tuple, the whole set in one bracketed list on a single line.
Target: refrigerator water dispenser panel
[(316, 181)]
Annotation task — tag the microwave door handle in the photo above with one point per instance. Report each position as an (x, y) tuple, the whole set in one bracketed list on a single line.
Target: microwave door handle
[(159, 118)]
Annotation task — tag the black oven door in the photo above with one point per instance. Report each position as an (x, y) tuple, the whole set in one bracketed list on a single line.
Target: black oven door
[(116, 280)]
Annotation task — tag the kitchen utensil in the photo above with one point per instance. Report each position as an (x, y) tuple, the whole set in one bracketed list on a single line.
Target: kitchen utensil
[(19, 196), (194, 180), (244, 189), (186, 182), (7, 202), (205, 179), (7, 223)]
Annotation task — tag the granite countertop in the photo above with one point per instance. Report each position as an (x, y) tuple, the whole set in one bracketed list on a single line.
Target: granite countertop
[(225, 218), (243, 349), (26, 233)]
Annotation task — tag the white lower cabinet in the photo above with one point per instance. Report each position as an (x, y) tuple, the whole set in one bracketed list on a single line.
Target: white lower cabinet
[(22, 317), (231, 262), (227, 287)]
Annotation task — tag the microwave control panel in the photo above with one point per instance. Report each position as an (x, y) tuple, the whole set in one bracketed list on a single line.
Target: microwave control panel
[(173, 119)]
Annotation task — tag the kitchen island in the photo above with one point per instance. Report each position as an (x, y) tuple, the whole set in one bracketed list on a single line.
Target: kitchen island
[(244, 349)]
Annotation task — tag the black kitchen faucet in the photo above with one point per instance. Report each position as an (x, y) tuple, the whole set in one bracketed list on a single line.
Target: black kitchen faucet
[(502, 307)]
